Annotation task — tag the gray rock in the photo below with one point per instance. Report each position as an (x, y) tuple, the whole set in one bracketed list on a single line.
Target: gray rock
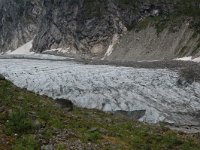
[(93, 129), (64, 104), (47, 147), (37, 124), (2, 77)]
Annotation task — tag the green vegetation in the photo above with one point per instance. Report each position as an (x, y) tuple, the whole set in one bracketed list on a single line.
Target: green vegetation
[(191, 9), (26, 142), (188, 8), (18, 121), (29, 121), (182, 10)]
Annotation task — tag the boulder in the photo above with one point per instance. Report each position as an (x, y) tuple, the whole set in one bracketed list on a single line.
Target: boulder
[(2, 77), (64, 104)]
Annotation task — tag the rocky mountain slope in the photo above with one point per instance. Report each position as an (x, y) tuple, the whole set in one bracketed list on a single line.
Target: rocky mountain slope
[(93, 27), (147, 44)]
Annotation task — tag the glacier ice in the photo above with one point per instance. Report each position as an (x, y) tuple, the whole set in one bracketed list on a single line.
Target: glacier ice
[(119, 88)]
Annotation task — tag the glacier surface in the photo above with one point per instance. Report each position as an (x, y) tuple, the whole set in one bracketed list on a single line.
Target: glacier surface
[(109, 88)]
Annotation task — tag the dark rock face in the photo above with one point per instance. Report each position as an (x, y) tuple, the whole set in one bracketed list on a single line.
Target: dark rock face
[(77, 25), (82, 26), (88, 26), (19, 22)]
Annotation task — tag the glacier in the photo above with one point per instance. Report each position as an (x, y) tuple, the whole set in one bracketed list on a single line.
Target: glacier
[(109, 88)]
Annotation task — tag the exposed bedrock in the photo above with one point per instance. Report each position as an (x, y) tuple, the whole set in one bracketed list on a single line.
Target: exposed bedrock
[(77, 26)]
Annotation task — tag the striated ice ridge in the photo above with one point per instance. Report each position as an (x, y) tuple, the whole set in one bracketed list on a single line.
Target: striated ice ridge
[(109, 88)]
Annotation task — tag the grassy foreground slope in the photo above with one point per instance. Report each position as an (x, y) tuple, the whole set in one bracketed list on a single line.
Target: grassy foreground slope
[(29, 121)]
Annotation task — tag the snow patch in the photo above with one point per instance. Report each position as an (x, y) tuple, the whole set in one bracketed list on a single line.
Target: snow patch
[(109, 51), (189, 58), (23, 50), (196, 59), (59, 50), (110, 48)]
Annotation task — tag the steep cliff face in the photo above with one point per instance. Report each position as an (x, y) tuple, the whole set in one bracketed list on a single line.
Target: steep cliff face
[(19, 22), (81, 27), (84, 26), (77, 26), (88, 26)]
